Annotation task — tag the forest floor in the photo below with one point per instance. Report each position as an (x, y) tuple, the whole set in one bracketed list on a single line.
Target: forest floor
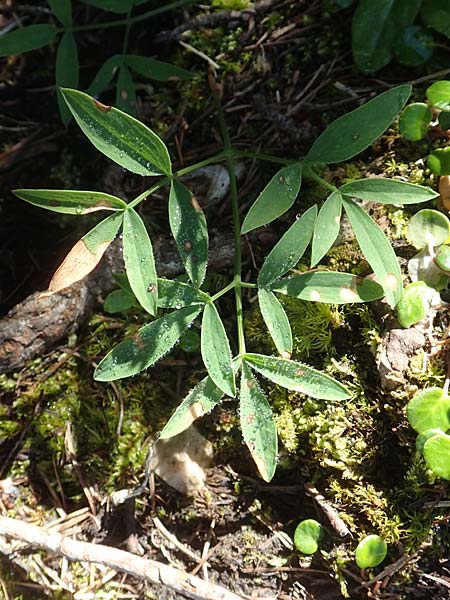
[(68, 444)]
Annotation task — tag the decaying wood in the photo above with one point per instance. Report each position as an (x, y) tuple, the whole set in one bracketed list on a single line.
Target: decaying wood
[(152, 571), (35, 325)]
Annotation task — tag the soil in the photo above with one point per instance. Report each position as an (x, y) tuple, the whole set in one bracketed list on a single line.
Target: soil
[(68, 444)]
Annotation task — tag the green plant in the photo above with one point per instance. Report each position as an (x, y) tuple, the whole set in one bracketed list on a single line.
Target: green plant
[(307, 536), (121, 65), (132, 145), (370, 552)]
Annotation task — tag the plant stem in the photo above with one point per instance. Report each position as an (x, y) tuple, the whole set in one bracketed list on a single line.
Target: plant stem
[(261, 156), (127, 32), (223, 291), (309, 173)]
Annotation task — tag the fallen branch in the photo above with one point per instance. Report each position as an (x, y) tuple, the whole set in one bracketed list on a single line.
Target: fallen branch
[(143, 568)]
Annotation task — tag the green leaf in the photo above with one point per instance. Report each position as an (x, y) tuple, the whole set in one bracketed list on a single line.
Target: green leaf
[(290, 248), (416, 302), (370, 552), (258, 425), (388, 191), (26, 39), (62, 9), (200, 400), (118, 301), (145, 348), (436, 452), (298, 377), (442, 258), (66, 71), (276, 321), (216, 351), (428, 227), (329, 287), (155, 69), (116, 6), (176, 294), (125, 92), (355, 131), (375, 30), (188, 226), (105, 75), (438, 94), (436, 14), (327, 227), (71, 202), (118, 136), (423, 437), (276, 198), (377, 250), (439, 161), (139, 261), (429, 409), (414, 46), (307, 536), (415, 121)]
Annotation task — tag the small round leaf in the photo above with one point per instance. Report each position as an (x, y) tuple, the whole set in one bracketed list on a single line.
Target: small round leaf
[(439, 95), (439, 161), (436, 452), (415, 303), (429, 409), (422, 438), (442, 258), (307, 536), (370, 552), (414, 121), (428, 226)]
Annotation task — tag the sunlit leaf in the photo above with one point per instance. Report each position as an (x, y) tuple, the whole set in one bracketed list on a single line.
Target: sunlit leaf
[(176, 294), (377, 250), (125, 91), (370, 552), (139, 261), (66, 71), (156, 69), (429, 409), (276, 321), (307, 536), (26, 39), (200, 400), (297, 377), (71, 202), (388, 191), (438, 94), (146, 347), (428, 227), (436, 452), (415, 121), (188, 226), (416, 302), (258, 425), (276, 198), (329, 287), (216, 351), (105, 75), (119, 136), (290, 248), (327, 227), (355, 131)]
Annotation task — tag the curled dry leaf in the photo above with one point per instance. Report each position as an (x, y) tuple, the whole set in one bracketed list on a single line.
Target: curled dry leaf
[(444, 192)]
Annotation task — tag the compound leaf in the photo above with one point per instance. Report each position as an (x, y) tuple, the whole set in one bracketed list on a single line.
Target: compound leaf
[(139, 261), (377, 250), (327, 227), (200, 400), (276, 198), (276, 321), (290, 248), (352, 133), (66, 71), (126, 91), (388, 191), (258, 425), (105, 75), (188, 226), (155, 69), (119, 136), (71, 202), (297, 377), (26, 39), (145, 348), (216, 351)]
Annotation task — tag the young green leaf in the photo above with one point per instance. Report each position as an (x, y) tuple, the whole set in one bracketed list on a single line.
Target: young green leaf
[(327, 227), (442, 258), (415, 121), (429, 409), (355, 131), (105, 75), (71, 202), (388, 191), (139, 261), (155, 69), (375, 29), (438, 94), (307, 536), (428, 227), (66, 71), (62, 9), (176, 294), (436, 452), (416, 302), (436, 14), (216, 351), (116, 6), (86, 254), (276, 198), (439, 161), (329, 287), (276, 321), (290, 248), (258, 425), (200, 400), (146, 347), (26, 39), (126, 92), (377, 250), (118, 301), (370, 552), (297, 377), (118, 136), (188, 226)]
